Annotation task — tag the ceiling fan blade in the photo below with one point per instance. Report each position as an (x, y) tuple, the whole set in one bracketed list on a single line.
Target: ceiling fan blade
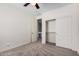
[(26, 4), (37, 6)]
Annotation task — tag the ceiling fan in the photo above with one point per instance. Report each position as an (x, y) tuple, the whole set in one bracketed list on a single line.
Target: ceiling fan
[(35, 4)]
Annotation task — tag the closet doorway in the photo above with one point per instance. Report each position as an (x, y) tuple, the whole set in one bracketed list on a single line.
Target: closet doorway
[(51, 31)]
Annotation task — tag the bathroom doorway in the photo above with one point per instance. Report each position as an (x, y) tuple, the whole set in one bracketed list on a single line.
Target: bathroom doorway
[(39, 26)]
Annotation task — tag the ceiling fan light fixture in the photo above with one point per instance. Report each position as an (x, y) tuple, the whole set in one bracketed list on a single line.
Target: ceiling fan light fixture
[(33, 4)]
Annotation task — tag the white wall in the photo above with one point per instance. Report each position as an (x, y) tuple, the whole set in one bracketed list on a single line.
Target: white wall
[(66, 26), (34, 30), (51, 26), (15, 26)]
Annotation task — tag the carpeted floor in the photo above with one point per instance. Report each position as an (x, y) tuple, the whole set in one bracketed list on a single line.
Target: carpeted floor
[(38, 49)]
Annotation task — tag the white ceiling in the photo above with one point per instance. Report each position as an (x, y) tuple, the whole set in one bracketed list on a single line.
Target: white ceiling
[(44, 7)]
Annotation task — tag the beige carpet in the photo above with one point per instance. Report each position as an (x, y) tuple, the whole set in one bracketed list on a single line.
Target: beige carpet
[(38, 49)]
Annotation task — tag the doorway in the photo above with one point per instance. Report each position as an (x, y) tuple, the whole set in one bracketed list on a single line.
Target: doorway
[(39, 26), (51, 31)]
